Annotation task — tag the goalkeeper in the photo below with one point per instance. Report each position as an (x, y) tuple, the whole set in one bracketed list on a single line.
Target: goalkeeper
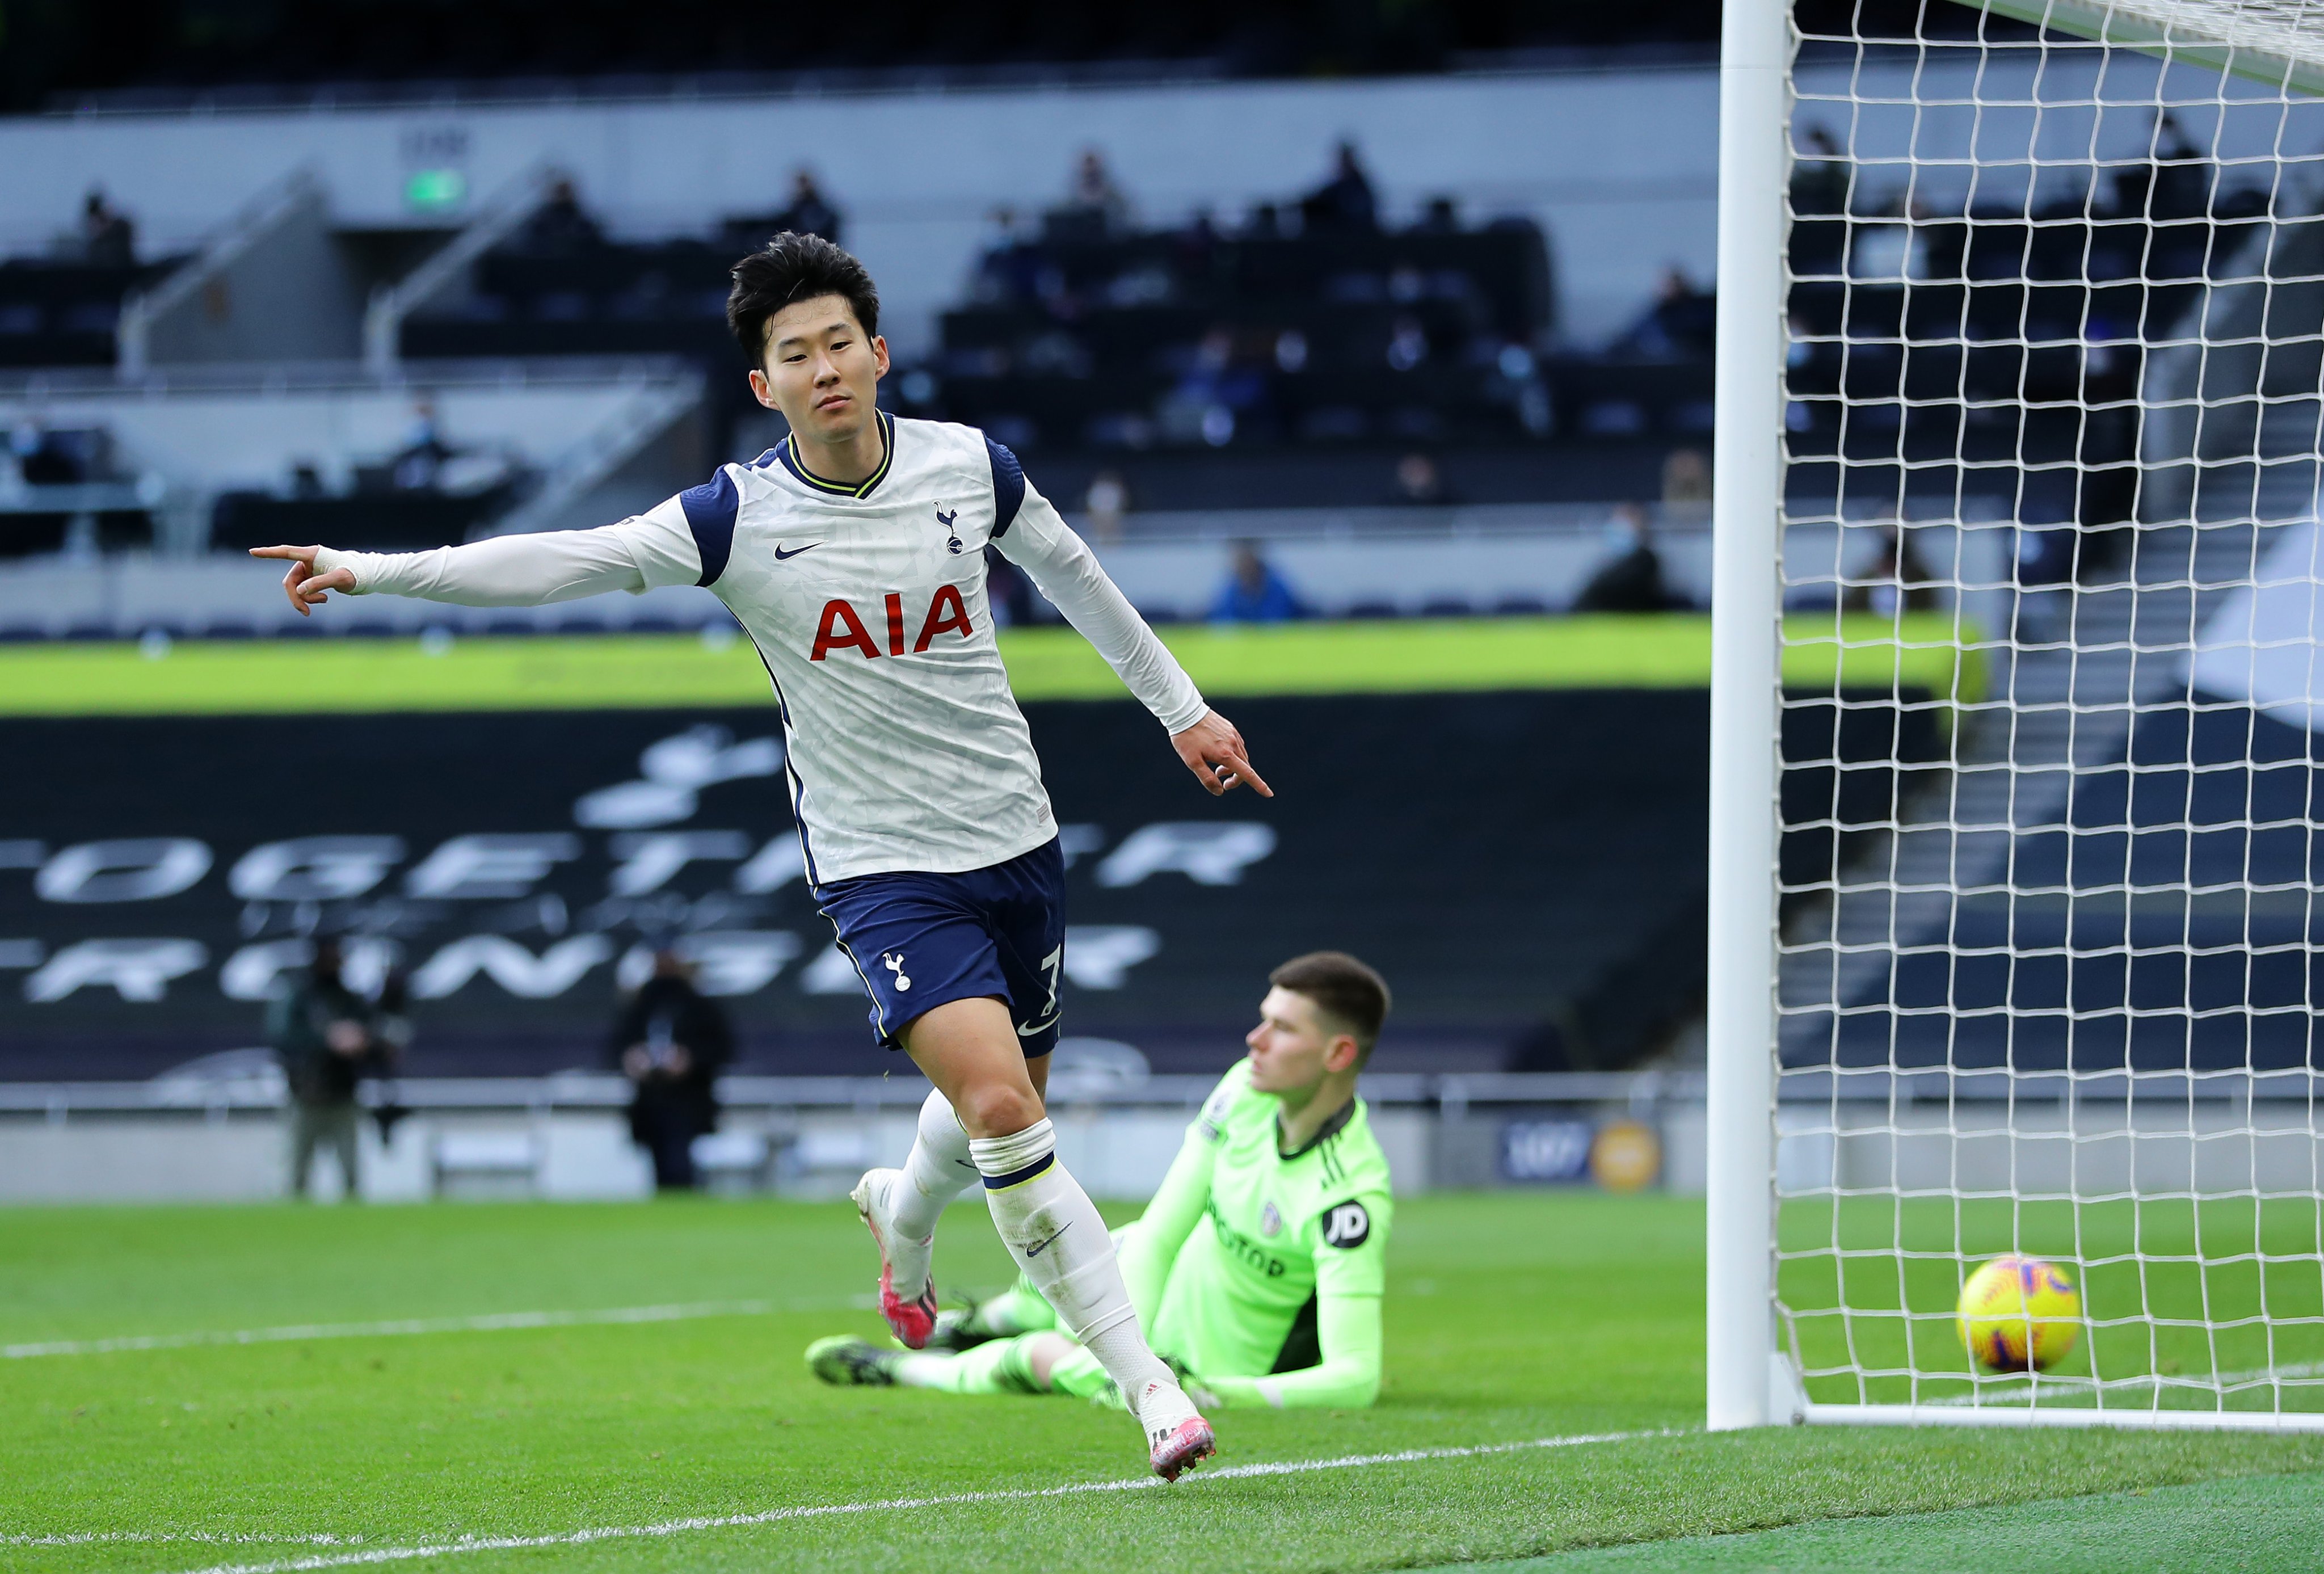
[(1259, 1266)]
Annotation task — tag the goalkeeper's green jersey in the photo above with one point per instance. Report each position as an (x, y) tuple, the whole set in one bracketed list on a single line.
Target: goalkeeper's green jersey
[(1262, 1270)]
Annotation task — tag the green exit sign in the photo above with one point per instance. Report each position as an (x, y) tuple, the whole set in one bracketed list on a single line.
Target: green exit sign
[(435, 191)]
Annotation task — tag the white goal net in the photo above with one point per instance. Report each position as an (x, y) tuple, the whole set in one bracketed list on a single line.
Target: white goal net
[(2036, 717)]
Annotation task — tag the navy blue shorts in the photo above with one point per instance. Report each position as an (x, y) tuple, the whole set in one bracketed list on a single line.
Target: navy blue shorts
[(921, 940)]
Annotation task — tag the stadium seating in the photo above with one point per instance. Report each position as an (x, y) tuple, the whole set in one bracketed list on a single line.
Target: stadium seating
[(1188, 338), (667, 297), (2050, 313), (64, 313), (2228, 799)]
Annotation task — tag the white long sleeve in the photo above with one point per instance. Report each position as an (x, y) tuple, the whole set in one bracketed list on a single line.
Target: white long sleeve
[(1068, 573), (507, 571)]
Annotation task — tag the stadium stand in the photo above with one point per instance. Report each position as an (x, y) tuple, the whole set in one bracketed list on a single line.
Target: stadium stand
[(187, 54), (223, 455), (1343, 334), (2087, 281), (66, 311), (2102, 778), (555, 285)]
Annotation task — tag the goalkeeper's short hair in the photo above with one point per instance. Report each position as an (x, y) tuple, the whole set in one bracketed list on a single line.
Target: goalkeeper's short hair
[(1353, 996)]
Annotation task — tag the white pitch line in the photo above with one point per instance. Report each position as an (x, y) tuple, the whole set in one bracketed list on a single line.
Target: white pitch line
[(485, 1323), (442, 1548), (160, 1538), (2301, 1372)]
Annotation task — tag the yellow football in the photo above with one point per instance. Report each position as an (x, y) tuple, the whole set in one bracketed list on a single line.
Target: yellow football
[(2019, 1313)]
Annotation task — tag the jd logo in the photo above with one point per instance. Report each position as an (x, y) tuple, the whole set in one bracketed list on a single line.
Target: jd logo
[(946, 519), (893, 960), (1349, 1226)]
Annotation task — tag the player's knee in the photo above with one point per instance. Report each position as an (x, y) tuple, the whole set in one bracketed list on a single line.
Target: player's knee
[(998, 1110)]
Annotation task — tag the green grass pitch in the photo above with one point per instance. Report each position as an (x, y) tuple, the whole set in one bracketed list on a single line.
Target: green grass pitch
[(303, 676), (2178, 1296), (1511, 1318)]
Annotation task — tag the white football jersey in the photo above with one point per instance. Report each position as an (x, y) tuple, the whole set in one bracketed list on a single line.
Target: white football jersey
[(867, 604)]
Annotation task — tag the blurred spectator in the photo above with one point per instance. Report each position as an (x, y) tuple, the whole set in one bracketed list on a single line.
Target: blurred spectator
[(1820, 178), (1254, 591), (1010, 266), (1345, 201), (1419, 482), (1680, 323), (2173, 183), (1195, 248), (41, 459), (108, 239), (671, 1042), (1105, 502), (1094, 206), (1212, 391), (1442, 216), (1686, 486), (561, 226), (1014, 602), (1008, 230), (322, 1032), (1265, 223), (1896, 581), (1631, 579), (419, 463), (1407, 345), (1291, 351), (390, 1036), (809, 213)]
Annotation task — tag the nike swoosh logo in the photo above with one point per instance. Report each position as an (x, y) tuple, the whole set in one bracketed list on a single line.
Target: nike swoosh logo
[(1035, 1251), (1037, 1027), (783, 557)]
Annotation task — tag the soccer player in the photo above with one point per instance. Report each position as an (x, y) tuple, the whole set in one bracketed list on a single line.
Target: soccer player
[(852, 553), (1278, 1301)]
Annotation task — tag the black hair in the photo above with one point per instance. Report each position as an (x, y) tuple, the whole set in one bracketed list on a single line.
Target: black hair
[(791, 268), (1351, 995)]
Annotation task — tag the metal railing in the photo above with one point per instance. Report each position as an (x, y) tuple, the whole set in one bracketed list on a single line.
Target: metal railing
[(501, 216), (1452, 1094)]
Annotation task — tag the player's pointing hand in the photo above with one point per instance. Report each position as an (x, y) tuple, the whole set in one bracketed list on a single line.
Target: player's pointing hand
[(303, 585), (1213, 751)]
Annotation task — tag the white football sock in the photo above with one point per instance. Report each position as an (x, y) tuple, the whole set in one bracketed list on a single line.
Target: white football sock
[(1058, 1236), (939, 1170)]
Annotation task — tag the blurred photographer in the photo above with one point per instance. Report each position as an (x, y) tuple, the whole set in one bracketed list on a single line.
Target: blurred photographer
[(324, 1035), (390, 1036), (671, 1042)]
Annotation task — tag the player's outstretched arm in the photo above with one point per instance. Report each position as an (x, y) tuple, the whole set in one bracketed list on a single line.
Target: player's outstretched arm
[(1147, 1250), (1041, 543), (1348, 1378), (1213, 751), (1350, 1247), (305, 584), (507, 571)]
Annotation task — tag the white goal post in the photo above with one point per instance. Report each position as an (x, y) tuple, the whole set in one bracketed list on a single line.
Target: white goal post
[(2018, 719)]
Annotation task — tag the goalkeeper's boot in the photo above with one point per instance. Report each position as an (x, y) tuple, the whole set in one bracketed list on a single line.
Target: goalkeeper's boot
[(1177, 1437), (913, 1321), (848, 1362), (956, 1330)]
